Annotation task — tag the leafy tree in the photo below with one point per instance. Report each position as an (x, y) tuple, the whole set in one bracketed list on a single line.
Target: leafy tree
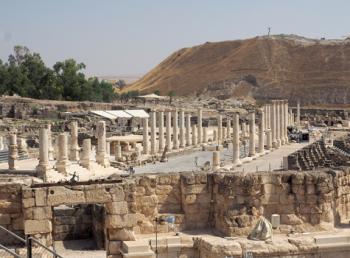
[(157, 92), (171, 94)]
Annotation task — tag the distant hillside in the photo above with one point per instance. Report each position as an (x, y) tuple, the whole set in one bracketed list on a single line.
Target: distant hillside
[(316, 71)]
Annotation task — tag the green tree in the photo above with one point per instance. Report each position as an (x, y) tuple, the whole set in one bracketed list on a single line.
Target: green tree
[(171, 94)]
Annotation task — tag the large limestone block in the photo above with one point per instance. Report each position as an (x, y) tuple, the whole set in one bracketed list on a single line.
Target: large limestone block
[(122, 234), (37, 226), (97, 195), (196, 189), (40, 197), (121, 221), (60, 195), (117, 208), (5, 219)]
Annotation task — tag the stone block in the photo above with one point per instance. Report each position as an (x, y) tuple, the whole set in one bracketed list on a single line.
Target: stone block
[(121, 221), (195, 189), (18, 223), (40, 197), (28, 203), (114, 247), (41, 213), (117, 208), (37, 226), (163, 189), (117, 194), (58, 195), (122, 234), (97, 196), (27, 193), (190, 198)]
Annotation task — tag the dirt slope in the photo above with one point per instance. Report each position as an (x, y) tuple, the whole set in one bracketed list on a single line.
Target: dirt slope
[(316, 71)]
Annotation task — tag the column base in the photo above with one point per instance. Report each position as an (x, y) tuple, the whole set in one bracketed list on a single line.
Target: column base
[(103, 161), (85, 164), (62, 167), (237, 163)]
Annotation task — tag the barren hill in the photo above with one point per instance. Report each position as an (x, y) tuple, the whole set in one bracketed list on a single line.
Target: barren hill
[(316, 71)]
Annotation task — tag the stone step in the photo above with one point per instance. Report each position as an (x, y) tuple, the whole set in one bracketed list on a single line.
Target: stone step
[(332, 239), (136, 246)]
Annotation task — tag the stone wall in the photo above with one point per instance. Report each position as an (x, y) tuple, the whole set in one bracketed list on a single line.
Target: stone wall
[(72, 222), (229, 203), (11, 216)]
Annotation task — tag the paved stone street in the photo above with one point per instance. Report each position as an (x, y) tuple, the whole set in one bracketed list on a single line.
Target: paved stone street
[(187, 162)]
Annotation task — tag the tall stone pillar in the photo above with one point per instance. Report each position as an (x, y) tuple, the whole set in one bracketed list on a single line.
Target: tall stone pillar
[(2, 147), (153, 132), (62, 163), (188, 129), (261, 133), (235, 140), (244, 129), (278, 124), (43, 166), (200, 128), (13, 152), (273, 124), (252, 135), (269, 139), (228, 127), (215, 136), (268, 116), (161, 131), (85, 159), (216, 159), (194, 135), (175, 130), (118, 152), (286, 119), (298, 113), (282, 124), (205, 134), (101, 157), (220, 129), (49, 136), (74, 147), (224, 130), (182, 128), (145, 136), (168, 130)]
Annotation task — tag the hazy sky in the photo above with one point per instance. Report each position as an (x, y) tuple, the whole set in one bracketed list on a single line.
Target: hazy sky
[(114, 37)]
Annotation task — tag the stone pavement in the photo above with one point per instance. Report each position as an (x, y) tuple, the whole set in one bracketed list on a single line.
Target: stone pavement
[(188, 162)]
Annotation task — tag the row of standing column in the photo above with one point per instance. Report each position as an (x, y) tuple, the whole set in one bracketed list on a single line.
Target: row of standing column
[(177, 132)]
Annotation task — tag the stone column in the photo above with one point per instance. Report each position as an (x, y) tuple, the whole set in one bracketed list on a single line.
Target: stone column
[(13, 152), (261, 133), (101, 157), (268, 117), (51, 149), (268, 139), (188, 129), (108, 148), (220, 129), (85, 159), (161, 131), (43, 166), (224, 133), (244, 129), (118, 152), (215, 136), (145, 136), (282, 123), (200, 122), (298, 113), (62, 163), (182, 128), (194, 135), (273, 124), (286, 108), (252, 135), (235, 140), (216, 159), (228, 127), (168, 130), (74, 147), (278, 124), (153, 132), (2, 147), (205, 134), (175, 130)]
